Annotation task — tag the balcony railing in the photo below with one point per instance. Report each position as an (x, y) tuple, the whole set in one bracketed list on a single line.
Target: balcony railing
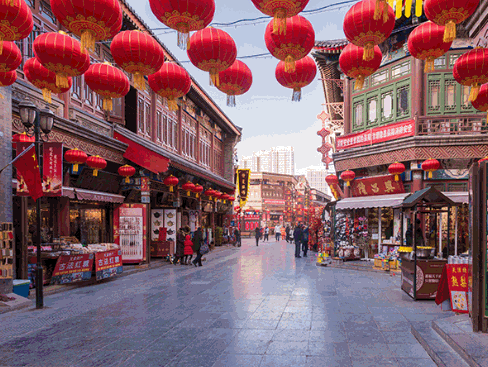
[(468, 124)]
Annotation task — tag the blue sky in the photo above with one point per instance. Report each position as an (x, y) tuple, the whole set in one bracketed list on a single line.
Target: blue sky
[(266, 113)]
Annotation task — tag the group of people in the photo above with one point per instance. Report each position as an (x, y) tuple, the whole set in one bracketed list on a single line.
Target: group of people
[(300, 235), (186, 246)]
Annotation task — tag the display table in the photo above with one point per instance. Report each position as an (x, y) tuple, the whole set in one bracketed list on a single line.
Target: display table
[(428, 276)]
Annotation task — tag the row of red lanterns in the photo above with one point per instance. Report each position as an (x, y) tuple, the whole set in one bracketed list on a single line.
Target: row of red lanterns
[(172, 181)]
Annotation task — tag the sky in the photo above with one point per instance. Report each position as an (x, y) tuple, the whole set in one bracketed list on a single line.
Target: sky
[(266, 113)]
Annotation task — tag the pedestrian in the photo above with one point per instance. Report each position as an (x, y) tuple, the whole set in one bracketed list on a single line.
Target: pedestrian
[(180, 246), (197, 241), (287, 230), (277, 230), (266, 234), (305, 241), (237, 233), (283, 232), (258, 235), (188, 251), (297, 235)]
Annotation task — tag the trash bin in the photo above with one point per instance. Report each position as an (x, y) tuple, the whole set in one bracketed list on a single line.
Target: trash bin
[(21, 287)]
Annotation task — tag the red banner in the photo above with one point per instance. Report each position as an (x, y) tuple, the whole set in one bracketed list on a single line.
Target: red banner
[(22, 189), (336, 191), (379, 185), (52, 181), (72, 268), (380, 134), (108, 263), (457, 277)]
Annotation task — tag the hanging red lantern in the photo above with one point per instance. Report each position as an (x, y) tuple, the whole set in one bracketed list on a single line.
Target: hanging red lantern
[(137, 53), (43, 79), (332, 180), (235, 81), (22, 138), (91, 20), (209, 193), (184, 16), (171, 181), (292, 46), (212, 50), (426, 43), (188, 187), (127, 172), (362, 30), (304, 74), (471, 69), (448, 13), (75, 157), (62, 55), (483, 160), (11, 58), (97, 163), (198, 189), (225, 197), (348, 176), (280, 11), (232, 198), (170, 82), (217, 195), (354, 66), (107, 81), (431, 165), (481, 102), (7, 79), (396, 169), (16, 21)]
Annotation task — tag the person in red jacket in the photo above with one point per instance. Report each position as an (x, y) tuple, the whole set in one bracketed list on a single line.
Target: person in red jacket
[(188, 252)]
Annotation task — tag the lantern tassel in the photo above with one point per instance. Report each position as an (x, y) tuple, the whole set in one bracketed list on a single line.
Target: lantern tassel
[(279, 21), (450, 31), (381, 8), (231, 100), (297, 95), (398, 8), (46, 94), (87, 40), (188, 193), (214, 78), (1, 45), (12, 2), (107, 104), (473, 94), (429, 65), (359, 83), (408, 8), (75, 168), (430, 174), (348, 183), (62, 81), (127, 179), (95, 172), (139, 81), (184, 36), (397, 178), (368, 53), (171, 189), (289, 64), (172, 105), (418, 8)]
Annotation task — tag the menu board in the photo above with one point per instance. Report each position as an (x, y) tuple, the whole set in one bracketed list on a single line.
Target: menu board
[(108, 264), (72, 268), (457, 277)]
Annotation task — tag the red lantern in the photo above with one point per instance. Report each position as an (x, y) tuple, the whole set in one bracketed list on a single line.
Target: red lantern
[(97, 163), (304, 74), (209, 193), (396, 169), (348, 176), (280, 11), (62, 55), (184, 16), (75, 157), (361, 29), (225, 197), (137, 53), (197, 190), (212, 50), (127, 172), (471, 69), (448, 13), (481, 102), (431, 165), (7, 79), (232, 198), (107, 81), (354, 66), (332, 180), (91, 20), (292, 46), (171, 181), (16, 21), (235, 81), (426, 43), (43, 79), (170, 82), (217, 195), (189, 186), (483, 160), (11, 58), (22, 138)]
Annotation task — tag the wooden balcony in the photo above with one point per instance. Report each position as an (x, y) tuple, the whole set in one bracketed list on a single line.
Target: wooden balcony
[(455, 125)]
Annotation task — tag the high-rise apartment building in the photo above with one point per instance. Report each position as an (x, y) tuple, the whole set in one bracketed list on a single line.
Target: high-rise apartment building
[(276, 160), (316, 177)]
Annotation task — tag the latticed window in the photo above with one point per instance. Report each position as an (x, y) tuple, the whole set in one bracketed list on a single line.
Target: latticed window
[(88, 95), (452, 59), (446, 96), (147, 109), (387, 105), (140, 110), (379, 77), (45, 10), (434, 95), (159, 125), (372, 110), (76, 87), (450, 95), (403, 101), (400, 70), (358, 114)]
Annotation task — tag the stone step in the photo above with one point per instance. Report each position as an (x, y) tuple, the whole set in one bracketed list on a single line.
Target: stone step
[(436, 347)]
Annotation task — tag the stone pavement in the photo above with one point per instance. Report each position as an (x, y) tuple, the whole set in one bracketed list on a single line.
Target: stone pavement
[(248, 306)]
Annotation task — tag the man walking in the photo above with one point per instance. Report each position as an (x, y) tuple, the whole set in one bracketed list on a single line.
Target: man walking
[(277, 230), (258, 235), (297, 235), (305, 241), (266, 233), (287, 230), (237, 235)]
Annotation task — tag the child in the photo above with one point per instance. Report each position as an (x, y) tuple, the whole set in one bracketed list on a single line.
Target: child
[(188, 250)]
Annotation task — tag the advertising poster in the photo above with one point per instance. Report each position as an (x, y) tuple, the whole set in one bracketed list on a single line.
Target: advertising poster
[(108, 264), (457, 275), (72, 268), (52, 180), (22, 189), (379, 185)]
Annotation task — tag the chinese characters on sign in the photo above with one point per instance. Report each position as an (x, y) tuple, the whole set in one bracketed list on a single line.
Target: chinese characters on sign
[(72, 268), (108, 264), (243, 176), (457, 277), (377, 135), (52, 180), (380, 185)]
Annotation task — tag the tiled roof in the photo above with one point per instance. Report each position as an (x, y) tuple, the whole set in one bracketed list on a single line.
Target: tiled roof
[(331, 46)]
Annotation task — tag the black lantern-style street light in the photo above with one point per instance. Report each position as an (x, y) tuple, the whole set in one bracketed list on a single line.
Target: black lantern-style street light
[(43, 120)]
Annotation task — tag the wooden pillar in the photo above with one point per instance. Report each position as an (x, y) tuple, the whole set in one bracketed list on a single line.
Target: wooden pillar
[(154, 122), (455, 231), (417, 177), (347, 93), (417, 97), (180, 130)]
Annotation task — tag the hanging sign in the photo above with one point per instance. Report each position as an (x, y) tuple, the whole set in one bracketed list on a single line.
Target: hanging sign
[(22, 189), (108, 264), (72, 268), (243, 176), (52, 180), (379, 185)]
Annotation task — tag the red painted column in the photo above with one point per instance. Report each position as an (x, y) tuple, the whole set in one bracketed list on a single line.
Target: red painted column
[(417, 176)]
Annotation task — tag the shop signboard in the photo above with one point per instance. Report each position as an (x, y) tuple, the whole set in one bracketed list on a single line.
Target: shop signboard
[(377, 135), (22, 189), (457, 279), (243, 176), (379, 185), (52, 180), (108, 264), (274, 202), (429, 274), (72, 268)]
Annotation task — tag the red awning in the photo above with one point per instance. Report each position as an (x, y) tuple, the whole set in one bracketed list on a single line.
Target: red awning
[(143, 156)]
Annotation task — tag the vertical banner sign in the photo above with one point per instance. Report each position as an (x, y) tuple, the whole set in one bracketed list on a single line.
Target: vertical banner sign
[(22, 189), (457, 275), (243, 176), (52, 180)]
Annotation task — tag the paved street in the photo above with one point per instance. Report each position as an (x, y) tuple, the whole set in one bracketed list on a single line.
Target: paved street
[(253, 306)]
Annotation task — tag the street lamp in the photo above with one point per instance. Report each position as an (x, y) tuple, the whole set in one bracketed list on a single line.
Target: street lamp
[(43, 120)]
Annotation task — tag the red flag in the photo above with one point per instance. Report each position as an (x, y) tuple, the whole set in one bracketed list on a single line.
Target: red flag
[(28, 167)]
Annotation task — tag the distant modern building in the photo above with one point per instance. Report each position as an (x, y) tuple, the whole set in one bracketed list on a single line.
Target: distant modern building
[(316, 177), (276, 160)]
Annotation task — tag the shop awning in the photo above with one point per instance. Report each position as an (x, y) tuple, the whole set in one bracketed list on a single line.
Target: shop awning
[(380, 201), (458, 197), (143, 156), (88, 195)]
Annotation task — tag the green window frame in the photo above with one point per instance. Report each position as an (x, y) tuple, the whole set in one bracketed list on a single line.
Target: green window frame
[(446, 97)]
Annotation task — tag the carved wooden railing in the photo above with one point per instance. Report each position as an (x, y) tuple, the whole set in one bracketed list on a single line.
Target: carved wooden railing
[(455, 125)]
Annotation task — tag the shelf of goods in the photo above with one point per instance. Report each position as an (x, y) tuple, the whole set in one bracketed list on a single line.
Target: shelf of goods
[(6, 251)]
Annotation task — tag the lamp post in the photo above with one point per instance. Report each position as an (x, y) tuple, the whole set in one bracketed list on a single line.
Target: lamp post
[(43, 120)]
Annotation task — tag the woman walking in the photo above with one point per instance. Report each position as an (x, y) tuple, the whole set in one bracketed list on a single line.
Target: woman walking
[(188, 251), (197, 241), (258, 235), (180, 246)]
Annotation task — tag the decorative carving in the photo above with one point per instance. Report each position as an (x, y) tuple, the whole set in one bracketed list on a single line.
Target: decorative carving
[(337, 107)]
